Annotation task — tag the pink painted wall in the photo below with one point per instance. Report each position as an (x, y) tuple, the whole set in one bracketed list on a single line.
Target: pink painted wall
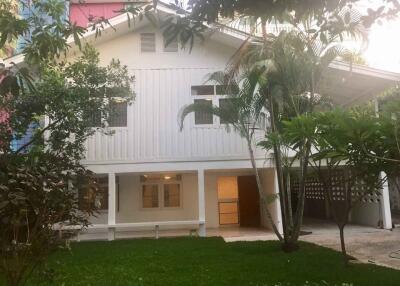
[(79, 13)]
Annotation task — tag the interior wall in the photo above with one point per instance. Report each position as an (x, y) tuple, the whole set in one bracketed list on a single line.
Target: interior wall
[(366, 214), (131, 211), (130, 202)]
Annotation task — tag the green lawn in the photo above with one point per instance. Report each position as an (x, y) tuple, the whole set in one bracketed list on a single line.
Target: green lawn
[(211, 261)]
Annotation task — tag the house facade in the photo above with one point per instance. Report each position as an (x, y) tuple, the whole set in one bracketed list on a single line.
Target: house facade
[(157, 177)]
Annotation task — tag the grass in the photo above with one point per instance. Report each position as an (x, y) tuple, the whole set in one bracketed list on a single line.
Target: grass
[(210, 261)]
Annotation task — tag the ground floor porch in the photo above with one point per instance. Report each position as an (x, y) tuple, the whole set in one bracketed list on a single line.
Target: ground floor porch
[(202, 202), (220, 200)]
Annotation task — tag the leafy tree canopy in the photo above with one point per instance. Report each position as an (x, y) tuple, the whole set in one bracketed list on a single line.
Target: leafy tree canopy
[(56, 101)]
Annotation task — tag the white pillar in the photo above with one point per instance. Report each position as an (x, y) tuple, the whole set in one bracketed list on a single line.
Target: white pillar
[(201, 199), (385, 205), (111, 205)]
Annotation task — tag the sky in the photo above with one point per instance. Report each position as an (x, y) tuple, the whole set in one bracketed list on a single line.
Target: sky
[(383, 50)]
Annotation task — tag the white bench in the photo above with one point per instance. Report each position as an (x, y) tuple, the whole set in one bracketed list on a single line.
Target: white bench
[(112, 227)]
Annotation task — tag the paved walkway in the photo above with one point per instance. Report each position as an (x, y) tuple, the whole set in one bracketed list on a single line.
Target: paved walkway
[(367, 244)]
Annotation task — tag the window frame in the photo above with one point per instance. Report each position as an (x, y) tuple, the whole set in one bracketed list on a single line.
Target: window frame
[(161, 203), (93, 116), (127, 117), (214, 98), (204, 97), (106, 124), (164, 47), (173, 182), (104, 185), (142, 197)]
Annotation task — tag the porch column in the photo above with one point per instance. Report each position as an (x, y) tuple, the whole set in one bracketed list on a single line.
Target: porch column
[(385, 205), (202, 209), (111, 205)]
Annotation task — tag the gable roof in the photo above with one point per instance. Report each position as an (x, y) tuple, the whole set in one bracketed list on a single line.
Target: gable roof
[(345, 84)]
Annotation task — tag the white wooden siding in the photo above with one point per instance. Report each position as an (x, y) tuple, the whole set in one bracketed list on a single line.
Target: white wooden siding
[(153, 134), (163, 87)]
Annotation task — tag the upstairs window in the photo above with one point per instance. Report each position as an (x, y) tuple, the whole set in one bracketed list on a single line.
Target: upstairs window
[(172, 46), (94, 119), (225, 104), (148, 42), (202, 90), (119, 114), (203, 117), (209, 95)]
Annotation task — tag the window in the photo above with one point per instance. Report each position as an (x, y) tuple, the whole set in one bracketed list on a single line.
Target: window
[(203, 117), (210, 95), (148, 42), (94, 119), (203, 90), (172, 45), (226, 105), (119, 114), (150, 196), (226, 89), (172, 195), (161, 190), (90, 197)]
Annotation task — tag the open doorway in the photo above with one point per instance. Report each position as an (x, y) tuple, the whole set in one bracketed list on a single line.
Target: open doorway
[(238, 201), (249, 201)]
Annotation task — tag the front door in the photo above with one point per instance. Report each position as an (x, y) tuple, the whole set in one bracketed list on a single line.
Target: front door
[(249, 201)]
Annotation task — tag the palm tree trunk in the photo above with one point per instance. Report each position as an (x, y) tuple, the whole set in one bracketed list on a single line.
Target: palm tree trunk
[(289, 200), (304, 160), (298, 220), (279, 174), (261, 191)]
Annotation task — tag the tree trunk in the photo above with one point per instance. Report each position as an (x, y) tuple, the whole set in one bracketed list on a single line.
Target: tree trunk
[(298, 220), (13, 279), (343, 245), (261, 192), (279, 174), (289, 200)]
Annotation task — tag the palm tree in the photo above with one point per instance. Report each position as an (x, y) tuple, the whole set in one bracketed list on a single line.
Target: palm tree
[(244, 113), (282, 76)]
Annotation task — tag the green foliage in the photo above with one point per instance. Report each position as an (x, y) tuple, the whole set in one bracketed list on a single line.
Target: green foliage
[(244, 112), (327, 17), (11, 26), (353, 143), (38, 180), (35, 197), (36, 192)]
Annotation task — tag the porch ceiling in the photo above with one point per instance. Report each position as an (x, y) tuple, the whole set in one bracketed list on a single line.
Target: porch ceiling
[(347, 86)]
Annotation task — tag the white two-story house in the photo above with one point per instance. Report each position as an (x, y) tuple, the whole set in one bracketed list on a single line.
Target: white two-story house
[(156, 177)]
